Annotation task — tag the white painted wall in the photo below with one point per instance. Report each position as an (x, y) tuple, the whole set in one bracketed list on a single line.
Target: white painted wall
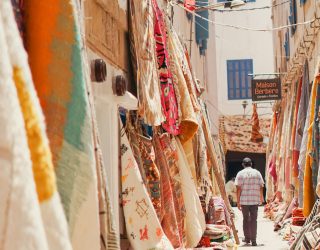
[(241, 44), (106, 108)]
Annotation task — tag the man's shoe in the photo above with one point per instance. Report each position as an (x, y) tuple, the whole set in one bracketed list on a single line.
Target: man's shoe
[(254, 244), (246, 241)]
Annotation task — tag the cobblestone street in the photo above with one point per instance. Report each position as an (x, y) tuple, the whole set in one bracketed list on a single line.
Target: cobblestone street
[(266, 239)]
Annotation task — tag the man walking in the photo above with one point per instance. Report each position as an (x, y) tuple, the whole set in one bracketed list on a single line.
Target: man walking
[(249, 184)]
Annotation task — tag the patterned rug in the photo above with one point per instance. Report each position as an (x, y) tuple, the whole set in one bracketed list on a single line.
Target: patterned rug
[(235, 134)]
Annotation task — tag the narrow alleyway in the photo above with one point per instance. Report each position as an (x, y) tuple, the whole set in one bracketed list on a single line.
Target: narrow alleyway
[(266, 239)]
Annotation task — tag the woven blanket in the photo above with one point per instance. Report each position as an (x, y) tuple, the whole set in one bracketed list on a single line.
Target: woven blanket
[(143, 227), (52, 213), (20, 217), (235, 134), (195, 219), (59, 80), (144, 60), (171, 209)]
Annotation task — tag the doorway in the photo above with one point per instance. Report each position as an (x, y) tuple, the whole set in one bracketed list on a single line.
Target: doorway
[(234, 160)]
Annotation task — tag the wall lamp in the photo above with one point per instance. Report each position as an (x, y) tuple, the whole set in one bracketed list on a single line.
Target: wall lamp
[(98, 70)]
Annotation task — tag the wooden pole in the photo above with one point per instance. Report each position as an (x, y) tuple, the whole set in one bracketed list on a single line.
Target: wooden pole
[(218, 174)]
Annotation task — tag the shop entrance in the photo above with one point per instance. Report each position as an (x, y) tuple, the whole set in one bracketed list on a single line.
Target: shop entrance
[(234, 160)]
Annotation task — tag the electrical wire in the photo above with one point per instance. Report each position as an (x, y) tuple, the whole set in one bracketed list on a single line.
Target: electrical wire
[(242, 27), (231, 10), (251, 9), (229, 41)]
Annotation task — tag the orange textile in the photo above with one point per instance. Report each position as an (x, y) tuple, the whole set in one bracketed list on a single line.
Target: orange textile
[(255, 132), (295, 155), (309, 195)]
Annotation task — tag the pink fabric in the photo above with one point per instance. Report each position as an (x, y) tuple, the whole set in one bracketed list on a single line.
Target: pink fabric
[(272, 169), (168, 97), (190, 4)]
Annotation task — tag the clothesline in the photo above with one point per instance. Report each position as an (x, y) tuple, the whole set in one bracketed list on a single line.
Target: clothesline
[(242, 27), (240, 10)]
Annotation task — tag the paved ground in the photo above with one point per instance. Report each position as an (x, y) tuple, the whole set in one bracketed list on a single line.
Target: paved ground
[(266, 237)]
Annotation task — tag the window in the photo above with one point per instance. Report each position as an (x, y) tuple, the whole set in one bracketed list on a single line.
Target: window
[(239, 83), (293, 15), (287, 46), (303, 2)]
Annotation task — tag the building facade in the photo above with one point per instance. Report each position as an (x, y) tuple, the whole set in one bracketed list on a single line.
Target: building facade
[(296, 45), (241, 52)]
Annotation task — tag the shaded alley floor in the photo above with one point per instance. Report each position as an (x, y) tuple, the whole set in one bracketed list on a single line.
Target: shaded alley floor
[(266, 237)]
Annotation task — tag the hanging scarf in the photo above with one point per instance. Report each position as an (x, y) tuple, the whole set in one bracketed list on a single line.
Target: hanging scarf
[(21, 224), (59, 78), (168, 96), (52, 213)]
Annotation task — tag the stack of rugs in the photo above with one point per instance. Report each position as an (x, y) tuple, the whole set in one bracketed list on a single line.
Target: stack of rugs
[(217, 234), (300, 232), (308, 236)]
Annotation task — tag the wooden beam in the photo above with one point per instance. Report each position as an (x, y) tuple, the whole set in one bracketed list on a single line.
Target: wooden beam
[(218, 174)]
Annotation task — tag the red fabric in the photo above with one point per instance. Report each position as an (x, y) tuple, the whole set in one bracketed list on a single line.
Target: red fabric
[(168, 97), (190, 4), (272, 169)]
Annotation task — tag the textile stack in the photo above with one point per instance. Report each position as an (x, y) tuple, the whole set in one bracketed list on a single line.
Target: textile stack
[(54, 185), (292, 171)]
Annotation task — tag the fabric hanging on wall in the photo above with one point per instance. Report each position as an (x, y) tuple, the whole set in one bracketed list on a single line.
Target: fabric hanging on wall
[(281, 148), (171, 209), (309, 196), (195, 219), (255, 132), (188, 119), (189, 152), (20, 216), (204, 182), (144, 230), (144, 60), (52, 213), (168, 159), (302, 157), (167, 84), (315, 140), (288, 149), (151, 170), (301, 118), (295, 152), (57, 70)]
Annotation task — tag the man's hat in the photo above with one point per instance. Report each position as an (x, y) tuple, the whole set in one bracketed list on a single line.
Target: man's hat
[(247, 162)]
